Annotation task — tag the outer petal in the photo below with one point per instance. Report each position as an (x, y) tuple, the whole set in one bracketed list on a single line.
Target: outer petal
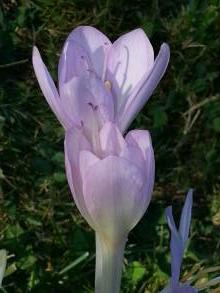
[(186, 217), (85, 48), (49, 89), (74, 62), (144, 89), (113, 196), (134, 155), (142, 140), (131, 57), (74, 143), (177, 248)]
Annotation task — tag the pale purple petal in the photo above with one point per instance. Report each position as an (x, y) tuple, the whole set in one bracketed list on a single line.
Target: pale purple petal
[(49, 89), (142, 140), (144, 89), (130, 58), (85, 48), (177, 248), (74, 62), (86, 160), (134, 155), (113, 196), (186, 217), (111, 140), (74, 143)]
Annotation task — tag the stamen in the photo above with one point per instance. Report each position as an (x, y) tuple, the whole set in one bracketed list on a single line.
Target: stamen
[(94, 107), (108, 84)]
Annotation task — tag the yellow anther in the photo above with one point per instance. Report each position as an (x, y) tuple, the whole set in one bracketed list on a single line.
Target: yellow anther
[(108, 85)]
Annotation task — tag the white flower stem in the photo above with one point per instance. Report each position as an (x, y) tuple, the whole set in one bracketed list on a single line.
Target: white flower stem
[(109, 261)]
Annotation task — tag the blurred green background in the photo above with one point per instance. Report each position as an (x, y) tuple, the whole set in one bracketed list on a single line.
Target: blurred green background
[(51, 247)]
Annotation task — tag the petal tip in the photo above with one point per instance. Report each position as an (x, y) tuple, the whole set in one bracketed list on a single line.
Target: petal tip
[(35, 52), (165, 50)]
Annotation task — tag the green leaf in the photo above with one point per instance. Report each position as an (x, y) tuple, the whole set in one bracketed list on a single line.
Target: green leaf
[(138, 271), (59, 177), (160, 117), (27, 262), (216, 124)]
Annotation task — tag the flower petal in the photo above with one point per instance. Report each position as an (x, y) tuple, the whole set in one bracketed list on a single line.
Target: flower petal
[(134, 155), (49, 89), (85, 48), (74, 62), (113, 193), (86, 160), (176, 246), (186, 217), (130, 58), (74, 143), (142, 140), (111, 140), (144, 89)]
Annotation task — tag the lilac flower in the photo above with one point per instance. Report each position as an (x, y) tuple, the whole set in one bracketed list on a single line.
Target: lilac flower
[(93, 71), (111, 180), (178, 242)]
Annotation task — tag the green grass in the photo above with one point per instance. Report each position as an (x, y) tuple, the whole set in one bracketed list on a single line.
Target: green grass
[(51, 246)]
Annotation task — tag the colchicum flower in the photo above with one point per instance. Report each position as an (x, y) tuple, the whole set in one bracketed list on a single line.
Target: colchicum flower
[(125, 73), (111, 182), (178, 242), (102, 86)]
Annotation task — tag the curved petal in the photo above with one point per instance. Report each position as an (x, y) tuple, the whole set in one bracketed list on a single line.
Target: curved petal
[(176, 246), (142, 140), (49, 89), (74, 62), (144, 89), (186, 217), (134, 155), (111, 140), (113, 192), (130, 58), (86, 160), (74, 143), (85, 48)]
